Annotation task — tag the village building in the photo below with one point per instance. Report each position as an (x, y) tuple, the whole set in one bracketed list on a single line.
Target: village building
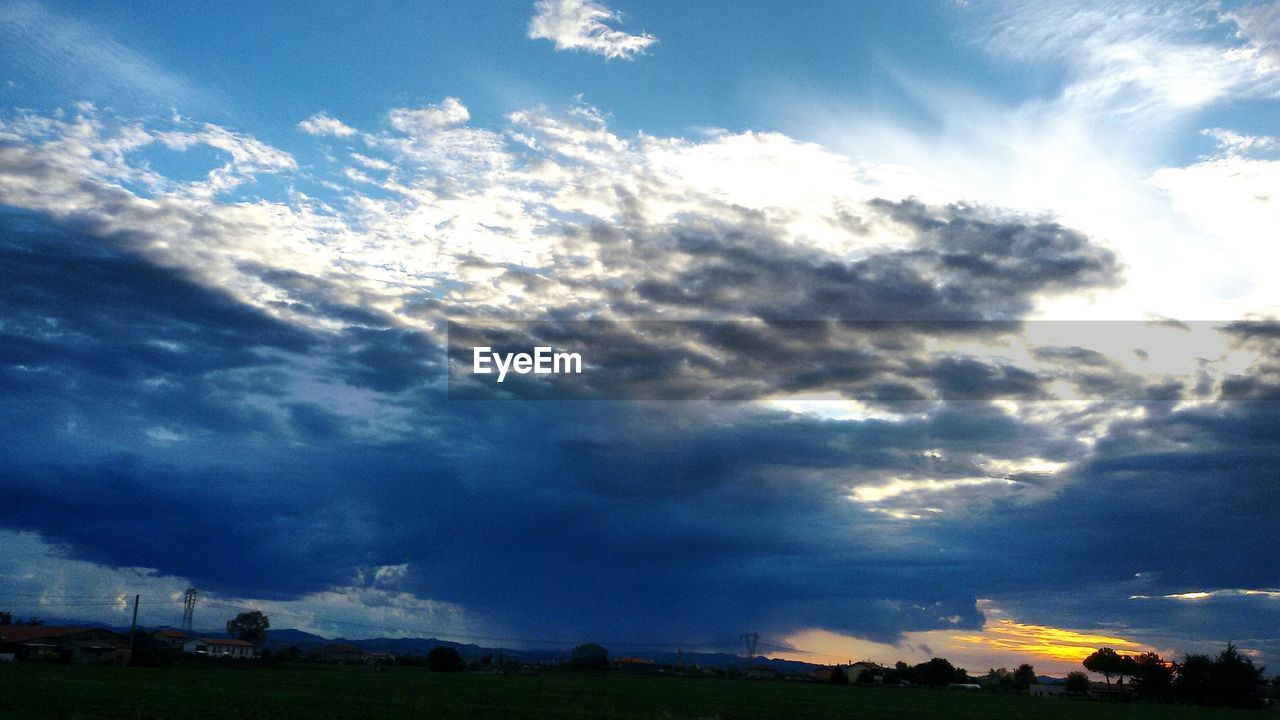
[(81, 645), (220, 648), (341, 653), (874, 673), (175, 639)]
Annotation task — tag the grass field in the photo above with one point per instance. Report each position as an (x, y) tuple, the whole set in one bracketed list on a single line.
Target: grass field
[(64, 691)]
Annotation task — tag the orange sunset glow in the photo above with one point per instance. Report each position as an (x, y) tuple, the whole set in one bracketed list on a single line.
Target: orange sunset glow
[(1044, 641), (1000, 642)]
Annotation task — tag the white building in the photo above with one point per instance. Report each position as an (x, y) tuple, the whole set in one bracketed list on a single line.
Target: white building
[(220, 647)]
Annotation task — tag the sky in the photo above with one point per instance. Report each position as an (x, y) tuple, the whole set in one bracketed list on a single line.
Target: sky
[(911, 329)]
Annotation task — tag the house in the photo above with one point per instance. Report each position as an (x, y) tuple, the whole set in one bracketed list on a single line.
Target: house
[(873, 672), (220, 648), (761, 672), (380, 658), (1055, 690), (175, 639), (64, 644), (341, 653)]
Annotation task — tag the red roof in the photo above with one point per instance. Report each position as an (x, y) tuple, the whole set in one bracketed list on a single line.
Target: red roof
[(170, 632)]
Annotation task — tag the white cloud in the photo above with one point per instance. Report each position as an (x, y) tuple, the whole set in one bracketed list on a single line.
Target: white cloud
[(1138, 59), (584, 25), (424, 121), (321, 124), (1258, 26), (41, 579), (1233, 143), (84, 59)]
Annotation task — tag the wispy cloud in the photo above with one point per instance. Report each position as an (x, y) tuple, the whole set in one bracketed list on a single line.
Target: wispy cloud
[(85, 61), (585, 25)]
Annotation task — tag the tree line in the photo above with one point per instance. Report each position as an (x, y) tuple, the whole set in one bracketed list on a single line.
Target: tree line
[(1229, 678)]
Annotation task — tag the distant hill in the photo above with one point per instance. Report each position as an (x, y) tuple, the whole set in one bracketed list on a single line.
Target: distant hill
[(282, 638)]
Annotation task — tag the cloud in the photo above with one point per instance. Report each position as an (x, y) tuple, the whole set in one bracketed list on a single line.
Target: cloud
[(584, 25), (321, 125), (272, 357), (85, 62), (424, 121), (1140, 59)]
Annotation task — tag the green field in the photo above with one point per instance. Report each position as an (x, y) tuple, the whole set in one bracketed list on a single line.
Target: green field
[(65, 691)]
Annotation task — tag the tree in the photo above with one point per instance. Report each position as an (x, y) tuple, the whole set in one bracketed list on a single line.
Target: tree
[(1106, 662), (250, 627), (1077, 682), (1236, 676), (1229, 679), (1024, 677), (938, 671), (1194, 677), (1152, 676), (445, 659), (999, 678), (839, 676), (590, 656)]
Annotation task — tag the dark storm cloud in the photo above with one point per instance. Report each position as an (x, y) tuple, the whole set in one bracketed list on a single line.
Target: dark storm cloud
[(610, 520), (90, 329), (804, 319), (576, 511), (965, 264)]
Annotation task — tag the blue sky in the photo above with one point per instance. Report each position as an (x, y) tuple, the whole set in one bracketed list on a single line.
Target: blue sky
[(233, 238)]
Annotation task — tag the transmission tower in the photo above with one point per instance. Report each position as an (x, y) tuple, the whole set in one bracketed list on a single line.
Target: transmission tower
[(750, 640), (188, 609)]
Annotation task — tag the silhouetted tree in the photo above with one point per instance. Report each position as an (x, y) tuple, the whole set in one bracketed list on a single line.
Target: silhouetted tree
[(1077, 682), (1229, 679), (999, 678), (1106, 662), (1236, 676), (589, 655), (938, 671), (1152, 676), (1024, 677), (250, 627), (839, 676), (1194, 677), (445, 659)]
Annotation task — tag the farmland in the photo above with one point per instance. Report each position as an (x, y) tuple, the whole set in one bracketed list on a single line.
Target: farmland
[(188, 692)]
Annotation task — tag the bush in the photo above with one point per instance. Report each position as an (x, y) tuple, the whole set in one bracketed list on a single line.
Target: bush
[(445, 659), (589, 656), (1077, 682)]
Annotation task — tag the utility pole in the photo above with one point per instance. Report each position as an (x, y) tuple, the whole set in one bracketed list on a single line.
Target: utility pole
[(133, 629)]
